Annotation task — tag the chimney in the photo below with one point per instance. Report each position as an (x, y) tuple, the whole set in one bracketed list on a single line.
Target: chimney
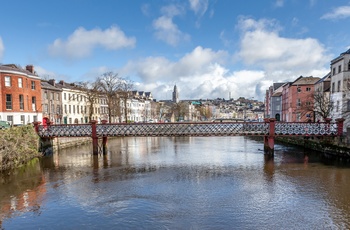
[(52, 82), (30, 68)]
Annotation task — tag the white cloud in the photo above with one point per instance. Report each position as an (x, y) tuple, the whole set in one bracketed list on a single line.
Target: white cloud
[(279, 3), (338, 13), (282, 58), (166, 30), (2, 48), (199, 6), (198, 74), (82, 42)]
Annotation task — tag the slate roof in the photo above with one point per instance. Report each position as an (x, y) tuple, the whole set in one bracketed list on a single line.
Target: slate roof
[(15, 68), (306, 80), (46, 85), (340, 56)]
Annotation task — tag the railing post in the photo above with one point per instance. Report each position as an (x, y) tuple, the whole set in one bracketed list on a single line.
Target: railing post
[(340, 126), (104, 140), (94, 137), (269, 141)]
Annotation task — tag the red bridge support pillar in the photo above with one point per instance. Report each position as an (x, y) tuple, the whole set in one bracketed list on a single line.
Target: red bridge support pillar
[(94, 137), (340, 126), (104, 140), (269, 141)]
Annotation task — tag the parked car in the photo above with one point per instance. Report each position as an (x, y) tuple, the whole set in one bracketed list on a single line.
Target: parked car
[(4, 125)]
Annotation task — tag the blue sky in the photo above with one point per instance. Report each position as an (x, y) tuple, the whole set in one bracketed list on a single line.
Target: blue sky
[(208, 48)]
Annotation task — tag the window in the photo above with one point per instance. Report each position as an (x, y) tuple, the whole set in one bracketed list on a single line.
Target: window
[(57, 96), (8, 101), (298, 102), (52, 96), (308, 89), (58, 109), (73, 108), (33, 85), (46, 108), (333, 71), (298, 116), (299, 89), (52, 109), (339, 68), (34, 103), (333, 87), (70, 109), (20, 83), (10, 119), (65, 108), (77, 109), (338, 86), (7, 81), (337, 107), (22, 119), (45, 95), (21, 102), (64, 96)]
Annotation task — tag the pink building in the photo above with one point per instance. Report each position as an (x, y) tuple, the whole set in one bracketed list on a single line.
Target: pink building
[(297, 100)]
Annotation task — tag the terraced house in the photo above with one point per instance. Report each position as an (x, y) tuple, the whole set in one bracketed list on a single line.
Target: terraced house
[(20, 95)]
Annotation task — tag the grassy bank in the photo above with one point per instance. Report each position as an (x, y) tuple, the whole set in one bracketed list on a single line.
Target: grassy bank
[(18, 145)]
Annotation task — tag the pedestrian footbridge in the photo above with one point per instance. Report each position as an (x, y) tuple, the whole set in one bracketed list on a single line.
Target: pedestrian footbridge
[(269, 129)]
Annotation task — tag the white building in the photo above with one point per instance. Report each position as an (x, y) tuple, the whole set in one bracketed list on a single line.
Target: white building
[(340, 87)]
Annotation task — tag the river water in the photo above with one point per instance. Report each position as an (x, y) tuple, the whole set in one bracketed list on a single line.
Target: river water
[(177, 183)]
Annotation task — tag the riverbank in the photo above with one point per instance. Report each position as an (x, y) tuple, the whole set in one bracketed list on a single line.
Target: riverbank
[(332, 148), (18, 145)]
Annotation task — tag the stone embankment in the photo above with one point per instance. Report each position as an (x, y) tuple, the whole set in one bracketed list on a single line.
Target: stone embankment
[(332, 148)]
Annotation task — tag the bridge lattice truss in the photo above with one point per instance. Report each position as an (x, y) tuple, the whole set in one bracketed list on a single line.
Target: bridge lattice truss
[(190, 129)]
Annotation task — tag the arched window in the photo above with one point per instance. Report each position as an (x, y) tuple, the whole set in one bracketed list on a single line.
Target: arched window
[(278, 117)]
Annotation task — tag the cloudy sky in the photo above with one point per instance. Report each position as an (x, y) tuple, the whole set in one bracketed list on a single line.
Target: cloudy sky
[(208, 48)]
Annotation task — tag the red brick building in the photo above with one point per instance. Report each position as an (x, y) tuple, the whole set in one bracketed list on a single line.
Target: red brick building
[(20, 94), (297, 100)]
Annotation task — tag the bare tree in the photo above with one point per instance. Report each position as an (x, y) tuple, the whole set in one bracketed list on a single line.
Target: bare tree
[(179, 110), (318, 104), (92, 94), (323, 105), (204, 111), (124, 93), (109, 84), (116, 89)]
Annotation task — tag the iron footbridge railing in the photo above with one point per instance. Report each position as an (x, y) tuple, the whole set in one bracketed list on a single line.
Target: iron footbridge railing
[(189, 129)]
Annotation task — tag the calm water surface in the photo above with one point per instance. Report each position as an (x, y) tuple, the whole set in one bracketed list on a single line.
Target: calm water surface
[(177, 183)]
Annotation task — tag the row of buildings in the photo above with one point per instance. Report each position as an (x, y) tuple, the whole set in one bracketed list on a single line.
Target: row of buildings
[(26, 98), (312, 99)]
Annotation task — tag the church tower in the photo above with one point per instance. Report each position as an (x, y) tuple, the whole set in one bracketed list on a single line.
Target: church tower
[(175, 95)]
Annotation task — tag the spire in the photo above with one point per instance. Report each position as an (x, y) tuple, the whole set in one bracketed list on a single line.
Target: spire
[(175, 95)]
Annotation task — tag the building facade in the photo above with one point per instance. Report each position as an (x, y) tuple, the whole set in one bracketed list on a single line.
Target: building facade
[(20, 95)]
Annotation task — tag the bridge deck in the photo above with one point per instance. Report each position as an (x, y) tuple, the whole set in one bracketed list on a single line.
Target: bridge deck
[(190, 129)]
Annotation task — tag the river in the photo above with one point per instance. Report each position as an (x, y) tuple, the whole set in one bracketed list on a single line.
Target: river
[(177, 183)]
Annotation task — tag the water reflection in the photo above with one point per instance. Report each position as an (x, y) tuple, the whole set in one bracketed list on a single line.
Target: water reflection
[(21, 191), (182, 183)]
